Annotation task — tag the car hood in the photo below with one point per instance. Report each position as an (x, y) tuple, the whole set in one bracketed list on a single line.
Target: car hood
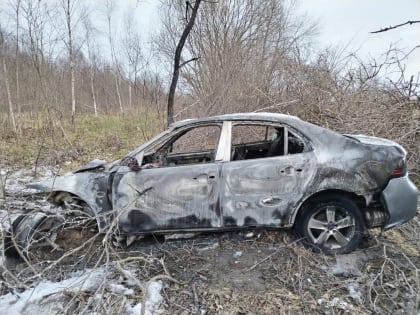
[(74, 182), (94, 164)]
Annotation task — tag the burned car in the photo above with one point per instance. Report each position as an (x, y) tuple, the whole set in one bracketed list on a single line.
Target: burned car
[(242, 171)]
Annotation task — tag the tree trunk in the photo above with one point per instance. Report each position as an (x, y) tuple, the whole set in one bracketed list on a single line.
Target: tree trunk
[(71, 57), (19, 109), (73, 97), (9, 96), (117, 87), (17, 63), (109, 9), (92, 90), (129, 94), (177, 59), (6, 82)]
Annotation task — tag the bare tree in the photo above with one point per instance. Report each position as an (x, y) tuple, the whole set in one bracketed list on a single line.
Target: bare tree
[(109, 7), (39, 37), (68, 10), (89, 37), (245, 49), (177, 58), (17, 12), (74, 14), (6, 82), (131, 45), (34, 25)]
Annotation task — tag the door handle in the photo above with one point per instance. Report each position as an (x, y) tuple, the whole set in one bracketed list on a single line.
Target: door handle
[(203, 176), (290, 170), (211, 175)]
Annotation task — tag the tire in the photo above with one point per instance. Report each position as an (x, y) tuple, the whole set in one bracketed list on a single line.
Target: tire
[(40, 236), (331, 225), (8, 243)]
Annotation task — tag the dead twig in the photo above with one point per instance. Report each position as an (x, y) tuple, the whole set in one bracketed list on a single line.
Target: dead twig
[(272, 254), (395, 26)]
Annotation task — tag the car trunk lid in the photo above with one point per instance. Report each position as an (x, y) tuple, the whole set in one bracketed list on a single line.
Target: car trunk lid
[(399, 165), (370, 140)]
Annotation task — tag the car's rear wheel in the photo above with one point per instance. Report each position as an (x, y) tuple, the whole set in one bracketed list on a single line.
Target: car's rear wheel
[(331, 225)]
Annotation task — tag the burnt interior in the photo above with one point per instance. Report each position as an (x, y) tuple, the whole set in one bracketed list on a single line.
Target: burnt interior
[(272, 142), (191, 146), (249, 141)]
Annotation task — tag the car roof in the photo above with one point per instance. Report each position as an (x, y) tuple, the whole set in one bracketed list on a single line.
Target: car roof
[(318, 135), (265, 116)]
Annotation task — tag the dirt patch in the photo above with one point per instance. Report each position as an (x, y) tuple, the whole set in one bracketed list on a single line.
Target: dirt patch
[(273, 273)]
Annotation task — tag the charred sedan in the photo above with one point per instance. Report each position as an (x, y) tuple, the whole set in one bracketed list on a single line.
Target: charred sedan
[(242, 171)]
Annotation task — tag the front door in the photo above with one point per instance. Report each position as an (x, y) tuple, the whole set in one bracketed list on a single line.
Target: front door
[(180, 191)]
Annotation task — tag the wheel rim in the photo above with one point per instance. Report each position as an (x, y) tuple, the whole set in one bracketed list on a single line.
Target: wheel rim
[(331, 227)]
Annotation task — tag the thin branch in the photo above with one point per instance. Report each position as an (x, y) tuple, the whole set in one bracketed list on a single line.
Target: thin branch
[(409, 53), (188, 61), (395, 26)]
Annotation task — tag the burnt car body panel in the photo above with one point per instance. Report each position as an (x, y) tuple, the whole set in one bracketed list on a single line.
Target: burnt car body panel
[(89, 186), (262, 192), (400, 201), (156, 199), (214, 191)]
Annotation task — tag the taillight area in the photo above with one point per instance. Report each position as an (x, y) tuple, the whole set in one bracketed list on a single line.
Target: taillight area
[(400, 170)]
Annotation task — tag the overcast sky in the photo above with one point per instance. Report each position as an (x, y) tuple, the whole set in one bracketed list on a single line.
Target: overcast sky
[(350, 22), (343, 22)]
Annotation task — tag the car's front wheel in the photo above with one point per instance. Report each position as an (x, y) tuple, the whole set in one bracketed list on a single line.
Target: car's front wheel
[(331, 225), (52, 234)]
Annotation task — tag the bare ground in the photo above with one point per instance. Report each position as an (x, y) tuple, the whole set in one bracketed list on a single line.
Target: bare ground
[(249, 272)]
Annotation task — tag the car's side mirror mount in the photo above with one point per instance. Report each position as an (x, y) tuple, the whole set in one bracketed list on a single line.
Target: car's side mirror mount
[(131, 162)]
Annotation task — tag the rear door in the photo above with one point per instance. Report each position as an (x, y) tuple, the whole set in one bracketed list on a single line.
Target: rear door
[(270, 168)]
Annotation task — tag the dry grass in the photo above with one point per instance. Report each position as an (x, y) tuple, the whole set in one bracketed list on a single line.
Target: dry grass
[(52, 141)]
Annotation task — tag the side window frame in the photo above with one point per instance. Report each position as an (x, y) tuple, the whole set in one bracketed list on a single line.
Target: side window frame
[(307, 147), (157, 152), (180, 134)]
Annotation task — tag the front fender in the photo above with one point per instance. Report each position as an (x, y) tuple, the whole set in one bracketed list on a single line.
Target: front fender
[(90, 187)]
